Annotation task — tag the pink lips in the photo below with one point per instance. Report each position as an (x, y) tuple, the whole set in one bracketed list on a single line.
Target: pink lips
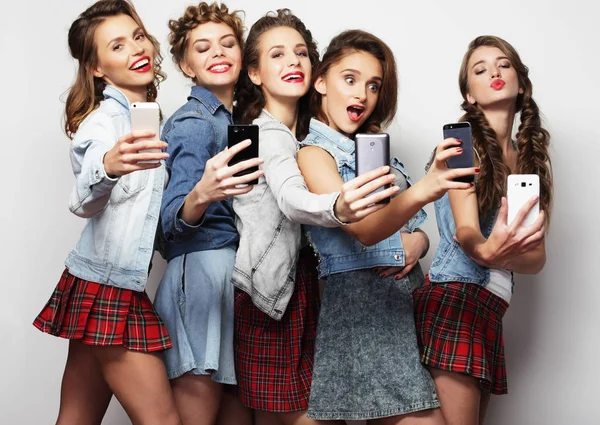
[(497, 84), (355, 112), (220, 68)]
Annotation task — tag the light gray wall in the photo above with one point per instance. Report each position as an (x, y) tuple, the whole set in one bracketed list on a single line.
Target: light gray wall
[(552, 338)]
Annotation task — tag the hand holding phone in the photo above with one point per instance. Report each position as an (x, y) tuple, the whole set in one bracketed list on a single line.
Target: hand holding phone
[(461, 131), (240, 132), (372, 151), (146, 116), (520, 189)]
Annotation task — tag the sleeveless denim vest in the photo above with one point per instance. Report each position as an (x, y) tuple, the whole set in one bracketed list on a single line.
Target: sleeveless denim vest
[(450, 263), (337, 250)]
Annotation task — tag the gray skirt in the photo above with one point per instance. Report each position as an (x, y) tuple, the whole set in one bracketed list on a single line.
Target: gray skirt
[(366, 359)]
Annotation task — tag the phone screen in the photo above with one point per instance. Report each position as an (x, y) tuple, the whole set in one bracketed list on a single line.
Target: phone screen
[(237, 133), (462, 131)]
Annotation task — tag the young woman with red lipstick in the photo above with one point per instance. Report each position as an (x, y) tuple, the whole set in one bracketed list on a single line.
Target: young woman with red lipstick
[(100, 303), (366, 359), (459, 312), (195, 297), (277, 300)]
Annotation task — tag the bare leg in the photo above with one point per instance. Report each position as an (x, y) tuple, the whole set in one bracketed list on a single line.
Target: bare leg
[(483, 406), (424, 417), (459, 396), (139, 381), (84, 395), (197, 398), (232, 411)]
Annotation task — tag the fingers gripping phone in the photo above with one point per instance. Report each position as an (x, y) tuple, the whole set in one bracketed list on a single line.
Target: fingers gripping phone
[(372, 151), (145, 116), (461, 131), (520, 189), (237, 133)]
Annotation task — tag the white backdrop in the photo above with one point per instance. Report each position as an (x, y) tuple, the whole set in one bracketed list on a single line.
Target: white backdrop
[(552, 337)]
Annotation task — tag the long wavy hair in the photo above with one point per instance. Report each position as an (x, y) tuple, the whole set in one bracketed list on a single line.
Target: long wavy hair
[(347, 43), (249, 98), (194, 16), (86, 93), (532, 139)]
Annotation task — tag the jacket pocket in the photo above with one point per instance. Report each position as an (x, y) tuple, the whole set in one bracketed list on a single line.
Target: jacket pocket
[(133, 183)]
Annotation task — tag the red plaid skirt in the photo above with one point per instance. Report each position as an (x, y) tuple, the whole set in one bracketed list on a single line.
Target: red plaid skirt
[(99, 314), (274, 359), (459, 329)]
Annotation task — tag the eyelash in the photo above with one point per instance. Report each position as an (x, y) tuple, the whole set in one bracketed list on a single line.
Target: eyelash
[(140, 36), (278, 55), (504, 65)]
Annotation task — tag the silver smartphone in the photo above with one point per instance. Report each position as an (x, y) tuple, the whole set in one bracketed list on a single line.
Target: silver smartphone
[(146, 116), (372, 151)]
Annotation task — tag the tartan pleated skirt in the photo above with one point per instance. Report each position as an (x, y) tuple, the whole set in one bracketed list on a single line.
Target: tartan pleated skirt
[(274, 359), (459, 329), (104, 315)]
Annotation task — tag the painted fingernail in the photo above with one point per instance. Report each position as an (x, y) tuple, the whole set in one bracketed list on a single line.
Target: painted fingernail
[(459, 150), (477, 170), (459, 141)]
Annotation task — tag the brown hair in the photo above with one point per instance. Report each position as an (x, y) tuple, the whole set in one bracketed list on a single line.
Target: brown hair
[(532, 138), (198, 15), (249, 98), (347, 43), (86, 93)]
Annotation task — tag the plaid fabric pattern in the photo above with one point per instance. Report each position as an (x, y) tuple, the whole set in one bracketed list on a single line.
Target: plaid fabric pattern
[(459, 329), (100, 314), (274, 359)]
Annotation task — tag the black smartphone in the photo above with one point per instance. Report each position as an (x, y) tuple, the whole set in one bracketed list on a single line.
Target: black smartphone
[(372, 150), (462, 131), (237, 133)]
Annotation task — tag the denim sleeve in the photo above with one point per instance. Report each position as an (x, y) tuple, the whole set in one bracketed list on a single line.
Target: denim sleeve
[(278, 150), (190, 140), (93, 186)]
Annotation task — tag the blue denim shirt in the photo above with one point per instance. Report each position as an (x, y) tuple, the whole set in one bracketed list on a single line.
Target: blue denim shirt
[(195, 133), (117, 243), (450, 263), (338, 251)]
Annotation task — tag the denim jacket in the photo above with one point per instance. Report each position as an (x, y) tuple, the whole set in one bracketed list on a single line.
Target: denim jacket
[(269, 218), (195, 133), (450, 263), (338, 251), (117, 243)]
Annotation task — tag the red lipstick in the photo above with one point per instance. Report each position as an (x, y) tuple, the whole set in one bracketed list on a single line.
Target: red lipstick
[(141, 65), (294, 77), (497, 84)]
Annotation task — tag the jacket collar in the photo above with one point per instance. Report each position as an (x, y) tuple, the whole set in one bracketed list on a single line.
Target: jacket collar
[(111, 92), (342, 142), (206, 97)]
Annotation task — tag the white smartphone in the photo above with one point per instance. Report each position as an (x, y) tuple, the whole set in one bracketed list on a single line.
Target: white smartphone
[(146, 116), (521, 187)]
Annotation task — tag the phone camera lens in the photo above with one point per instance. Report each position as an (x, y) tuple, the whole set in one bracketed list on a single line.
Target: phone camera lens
[(235, 129), (372, 143), (523, 184)]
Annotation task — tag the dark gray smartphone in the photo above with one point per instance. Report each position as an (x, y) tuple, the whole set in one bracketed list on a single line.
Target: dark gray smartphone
[(372, 151), (462, 131), (237, 133)]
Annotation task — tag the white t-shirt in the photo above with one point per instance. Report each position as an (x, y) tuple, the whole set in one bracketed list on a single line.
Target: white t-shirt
[(500, 283)]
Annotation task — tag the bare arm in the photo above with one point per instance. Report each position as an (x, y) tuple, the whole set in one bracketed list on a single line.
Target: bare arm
[(321, 175), (513, 247)]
